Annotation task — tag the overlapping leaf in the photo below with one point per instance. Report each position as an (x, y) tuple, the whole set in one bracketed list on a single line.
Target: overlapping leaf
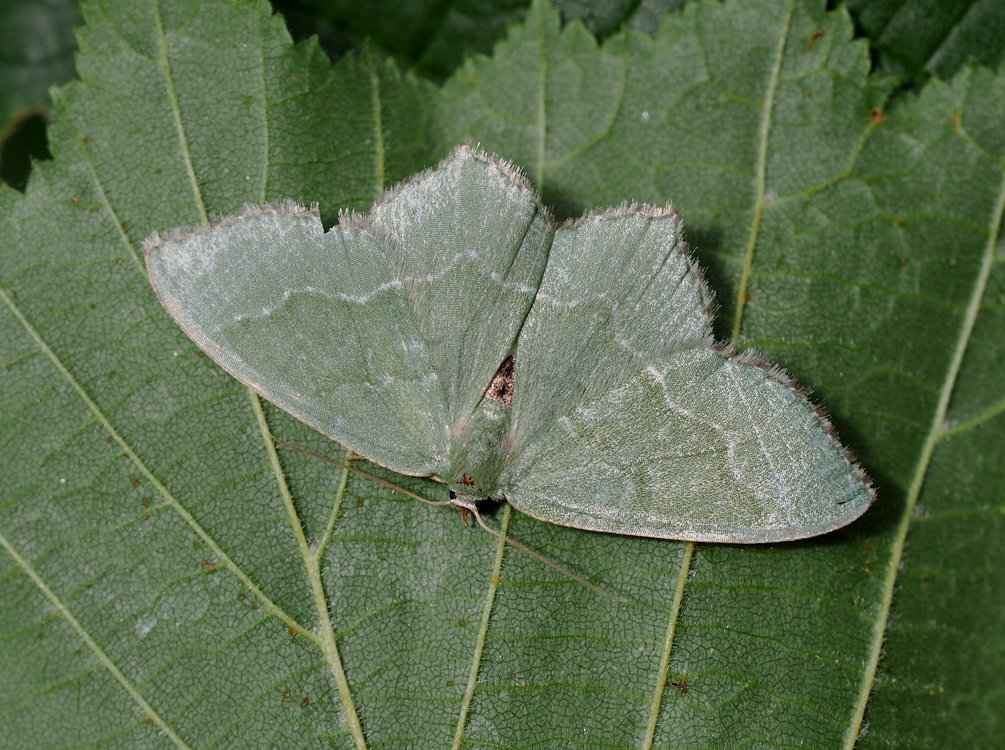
[(917, 38)]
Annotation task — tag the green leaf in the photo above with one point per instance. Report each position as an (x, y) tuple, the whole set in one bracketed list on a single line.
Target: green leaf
[(37, 42), (917, 38), (168, 579), (36, 52), (434, 35)]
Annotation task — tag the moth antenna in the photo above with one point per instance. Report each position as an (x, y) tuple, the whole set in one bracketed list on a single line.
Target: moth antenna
[(360, 472), (541, 558)]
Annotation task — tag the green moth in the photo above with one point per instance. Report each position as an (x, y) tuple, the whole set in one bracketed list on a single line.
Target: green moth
[(457, 332)]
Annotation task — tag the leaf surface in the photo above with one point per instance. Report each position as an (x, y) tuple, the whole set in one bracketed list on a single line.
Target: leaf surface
[(434, 35), (918, 38), (36, 39), (892, 226), (38, 44), (170, 579)]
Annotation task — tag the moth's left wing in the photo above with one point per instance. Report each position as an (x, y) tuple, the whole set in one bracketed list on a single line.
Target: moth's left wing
[(699, 445), (469, 240)]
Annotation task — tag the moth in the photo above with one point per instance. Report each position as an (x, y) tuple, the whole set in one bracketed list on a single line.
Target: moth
[(457, 332)]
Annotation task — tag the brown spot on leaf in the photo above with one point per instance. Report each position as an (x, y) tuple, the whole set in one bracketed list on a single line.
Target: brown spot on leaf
[(286, 694), (241, 596), (133, 480), (877, 116), (956, 119), (680, 684), (462, 623), (501, 387), (813, 39), (145, 501), (86, 140), (208, 566), (75, 200), (305, 703)]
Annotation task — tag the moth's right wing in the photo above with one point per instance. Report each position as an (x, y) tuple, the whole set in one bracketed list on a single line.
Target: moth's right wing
[(317, 323), (627, 419), (701, 446)]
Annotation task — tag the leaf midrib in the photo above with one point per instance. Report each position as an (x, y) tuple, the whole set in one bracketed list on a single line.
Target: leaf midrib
[(764, 130), (222, 557), (326, 639), (762, 174)]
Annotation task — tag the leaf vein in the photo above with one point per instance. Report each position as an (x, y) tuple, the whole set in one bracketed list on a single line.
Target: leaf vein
[(924, 460), (762, 172), (483, 629), (99, 652), (165, 67), (659, 690), (326, 640), (185, 514)]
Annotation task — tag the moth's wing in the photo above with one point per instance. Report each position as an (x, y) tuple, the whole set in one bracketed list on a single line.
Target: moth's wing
[(620, 291), (698, 445), (470, 240), (626, 420), (316, 323)]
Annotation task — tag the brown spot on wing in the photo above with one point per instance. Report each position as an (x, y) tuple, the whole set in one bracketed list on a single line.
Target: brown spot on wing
[(501, 387)]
